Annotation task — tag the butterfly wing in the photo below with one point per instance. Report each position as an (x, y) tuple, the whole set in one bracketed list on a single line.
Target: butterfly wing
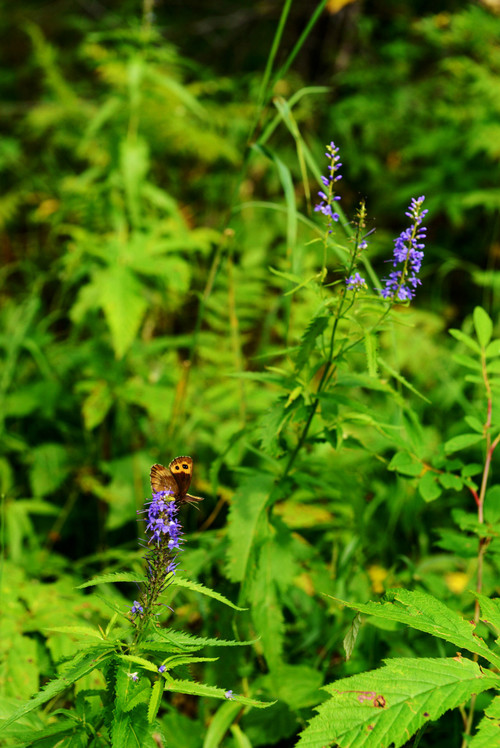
[(182, 470), (163, 480)]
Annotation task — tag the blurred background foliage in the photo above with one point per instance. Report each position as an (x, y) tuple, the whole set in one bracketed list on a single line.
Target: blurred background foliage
[(149, 185)]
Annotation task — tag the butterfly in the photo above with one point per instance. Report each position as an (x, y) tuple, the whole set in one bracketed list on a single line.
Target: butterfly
[(176, 479)]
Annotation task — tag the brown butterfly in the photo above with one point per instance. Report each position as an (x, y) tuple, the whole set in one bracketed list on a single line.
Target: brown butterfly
[(176, 478)]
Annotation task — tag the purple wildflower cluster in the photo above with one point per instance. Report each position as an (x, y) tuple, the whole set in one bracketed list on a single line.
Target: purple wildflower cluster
[(355, 282), (401, 284), (328, 198), (162, 520), (164, 539)]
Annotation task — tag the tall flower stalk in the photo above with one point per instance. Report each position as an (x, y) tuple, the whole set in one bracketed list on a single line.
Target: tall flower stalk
[(407, 257), (328, 197), (164, 532)]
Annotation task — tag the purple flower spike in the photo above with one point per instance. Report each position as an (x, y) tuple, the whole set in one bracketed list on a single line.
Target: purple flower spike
[(328, 197), (164, 535), (402, 283)]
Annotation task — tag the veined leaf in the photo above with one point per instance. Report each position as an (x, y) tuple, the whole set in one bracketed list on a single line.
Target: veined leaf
[(119, 576), (488, 731), (83, 663), (200, 689), (387, 706), (155, 700), (198, 587), (188, 642), (425, 613), (316, 327)]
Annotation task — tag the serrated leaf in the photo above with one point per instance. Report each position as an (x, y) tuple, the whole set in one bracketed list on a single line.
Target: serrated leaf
[(488, 730), (387, 706), (316, 327), (483, 326), (119, 576), (425, 613), (200, 689), (198, 587), (82, 630), (189, 642), (145, 664), (82, 664), (490, 611), (461, 442), (155, 700)]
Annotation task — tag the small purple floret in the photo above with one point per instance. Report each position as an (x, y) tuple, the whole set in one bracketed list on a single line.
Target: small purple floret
[(355, 282)]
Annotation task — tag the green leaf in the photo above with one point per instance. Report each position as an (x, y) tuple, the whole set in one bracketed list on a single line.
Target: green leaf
[(467, 362), (119, 576), (401, 379), (49, 469), (246, 507), (461, 442), (466, 340), (490, 611), (483, 326), (457, 542), (450, 481), (175, 640), (387, 706), (351, 636), (425, 613), (493, 349), (83, 663), (371, 353), (198, 587), (220, 724), (267, 613), (120, 296), (288, 190), (200, 689), (96, 405), (155, 700), (316, 327), (428, 486), (474, 424), (406, 464), (488, 730)]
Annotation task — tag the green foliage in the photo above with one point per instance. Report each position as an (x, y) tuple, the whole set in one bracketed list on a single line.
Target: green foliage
[(166, 288)]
